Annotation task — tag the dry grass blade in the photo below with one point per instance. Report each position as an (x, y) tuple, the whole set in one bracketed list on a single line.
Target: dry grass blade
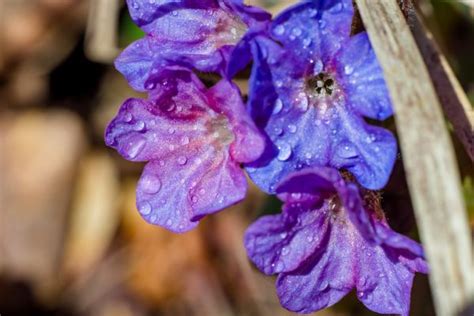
[(455, 103), (430, 163)]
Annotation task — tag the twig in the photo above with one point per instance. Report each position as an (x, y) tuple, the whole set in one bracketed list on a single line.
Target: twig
[(430, 163)]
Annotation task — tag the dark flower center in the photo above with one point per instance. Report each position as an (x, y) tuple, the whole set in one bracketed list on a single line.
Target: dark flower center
[(320, 85)]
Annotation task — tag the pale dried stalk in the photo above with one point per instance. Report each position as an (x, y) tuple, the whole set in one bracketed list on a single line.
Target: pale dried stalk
[(430, 163), (455, 103), (102, 33)]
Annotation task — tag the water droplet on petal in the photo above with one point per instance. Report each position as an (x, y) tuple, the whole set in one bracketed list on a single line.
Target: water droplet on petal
[(312, 12), (285, 251), (145, 208), (318, 67), (296, 31), (278, 106), (128, 117), (140, 126), (182, 160), (348, 69), (169, 222), (171, 130), (135, 147), (283, 235), (185, 140), (360, 294), (322, 24), (150, 184), (284, 152), (278, 131), (336, 8), (292, 128), (306, 42), (347, 150), (194, 199), (279, 30), (150, 85)]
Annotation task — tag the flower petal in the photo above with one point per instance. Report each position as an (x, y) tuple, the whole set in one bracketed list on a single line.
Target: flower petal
[(177, 192), (282, 243), (324, 137), (323, 281), (145, 130), (198, 34), (137, 61), (249, 142), (363, 80), (314, 29)]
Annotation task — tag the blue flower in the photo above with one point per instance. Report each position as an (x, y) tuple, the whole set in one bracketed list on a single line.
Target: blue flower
[(311, 87), (195, 33), (331, 238), (193, 140)]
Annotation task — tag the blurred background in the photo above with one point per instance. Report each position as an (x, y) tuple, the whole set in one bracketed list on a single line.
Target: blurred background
[(71, 240)]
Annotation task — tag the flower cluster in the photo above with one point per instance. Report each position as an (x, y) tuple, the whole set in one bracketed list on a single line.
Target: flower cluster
[(302, 135)]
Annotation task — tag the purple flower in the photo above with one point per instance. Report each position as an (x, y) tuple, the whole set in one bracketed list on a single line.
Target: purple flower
[(311, 86), (194, 33), (194, 140), (332, 238)]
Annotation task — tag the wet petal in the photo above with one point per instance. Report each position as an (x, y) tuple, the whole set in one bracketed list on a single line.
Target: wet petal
[(325, 279), (324, 136), (249, 143), (314, 29), (199, 34), (282, 243), (178, 191), (144, 130), (362, 77)]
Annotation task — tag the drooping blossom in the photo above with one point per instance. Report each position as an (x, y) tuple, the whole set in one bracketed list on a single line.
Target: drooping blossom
[(198, 34), (311, 87), (194, 140), (330, 239)]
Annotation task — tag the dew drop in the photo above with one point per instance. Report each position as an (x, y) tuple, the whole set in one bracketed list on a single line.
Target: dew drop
[(278, 106), (135, 147), (292, 128), (150, 85), (150, 184), (283, 235), (284, 151), (306, 42), (128, 117), (279, 30), (140, 126), (322, 24), (182, 160), (348, 70), (171, 130), (303, 102), (296, 196), (194, 199), (169, 222), (296, 31), (336, 8), (278, 131), (312, 13), (347, 150), (185, 140), (145, 208), (318, 67)]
